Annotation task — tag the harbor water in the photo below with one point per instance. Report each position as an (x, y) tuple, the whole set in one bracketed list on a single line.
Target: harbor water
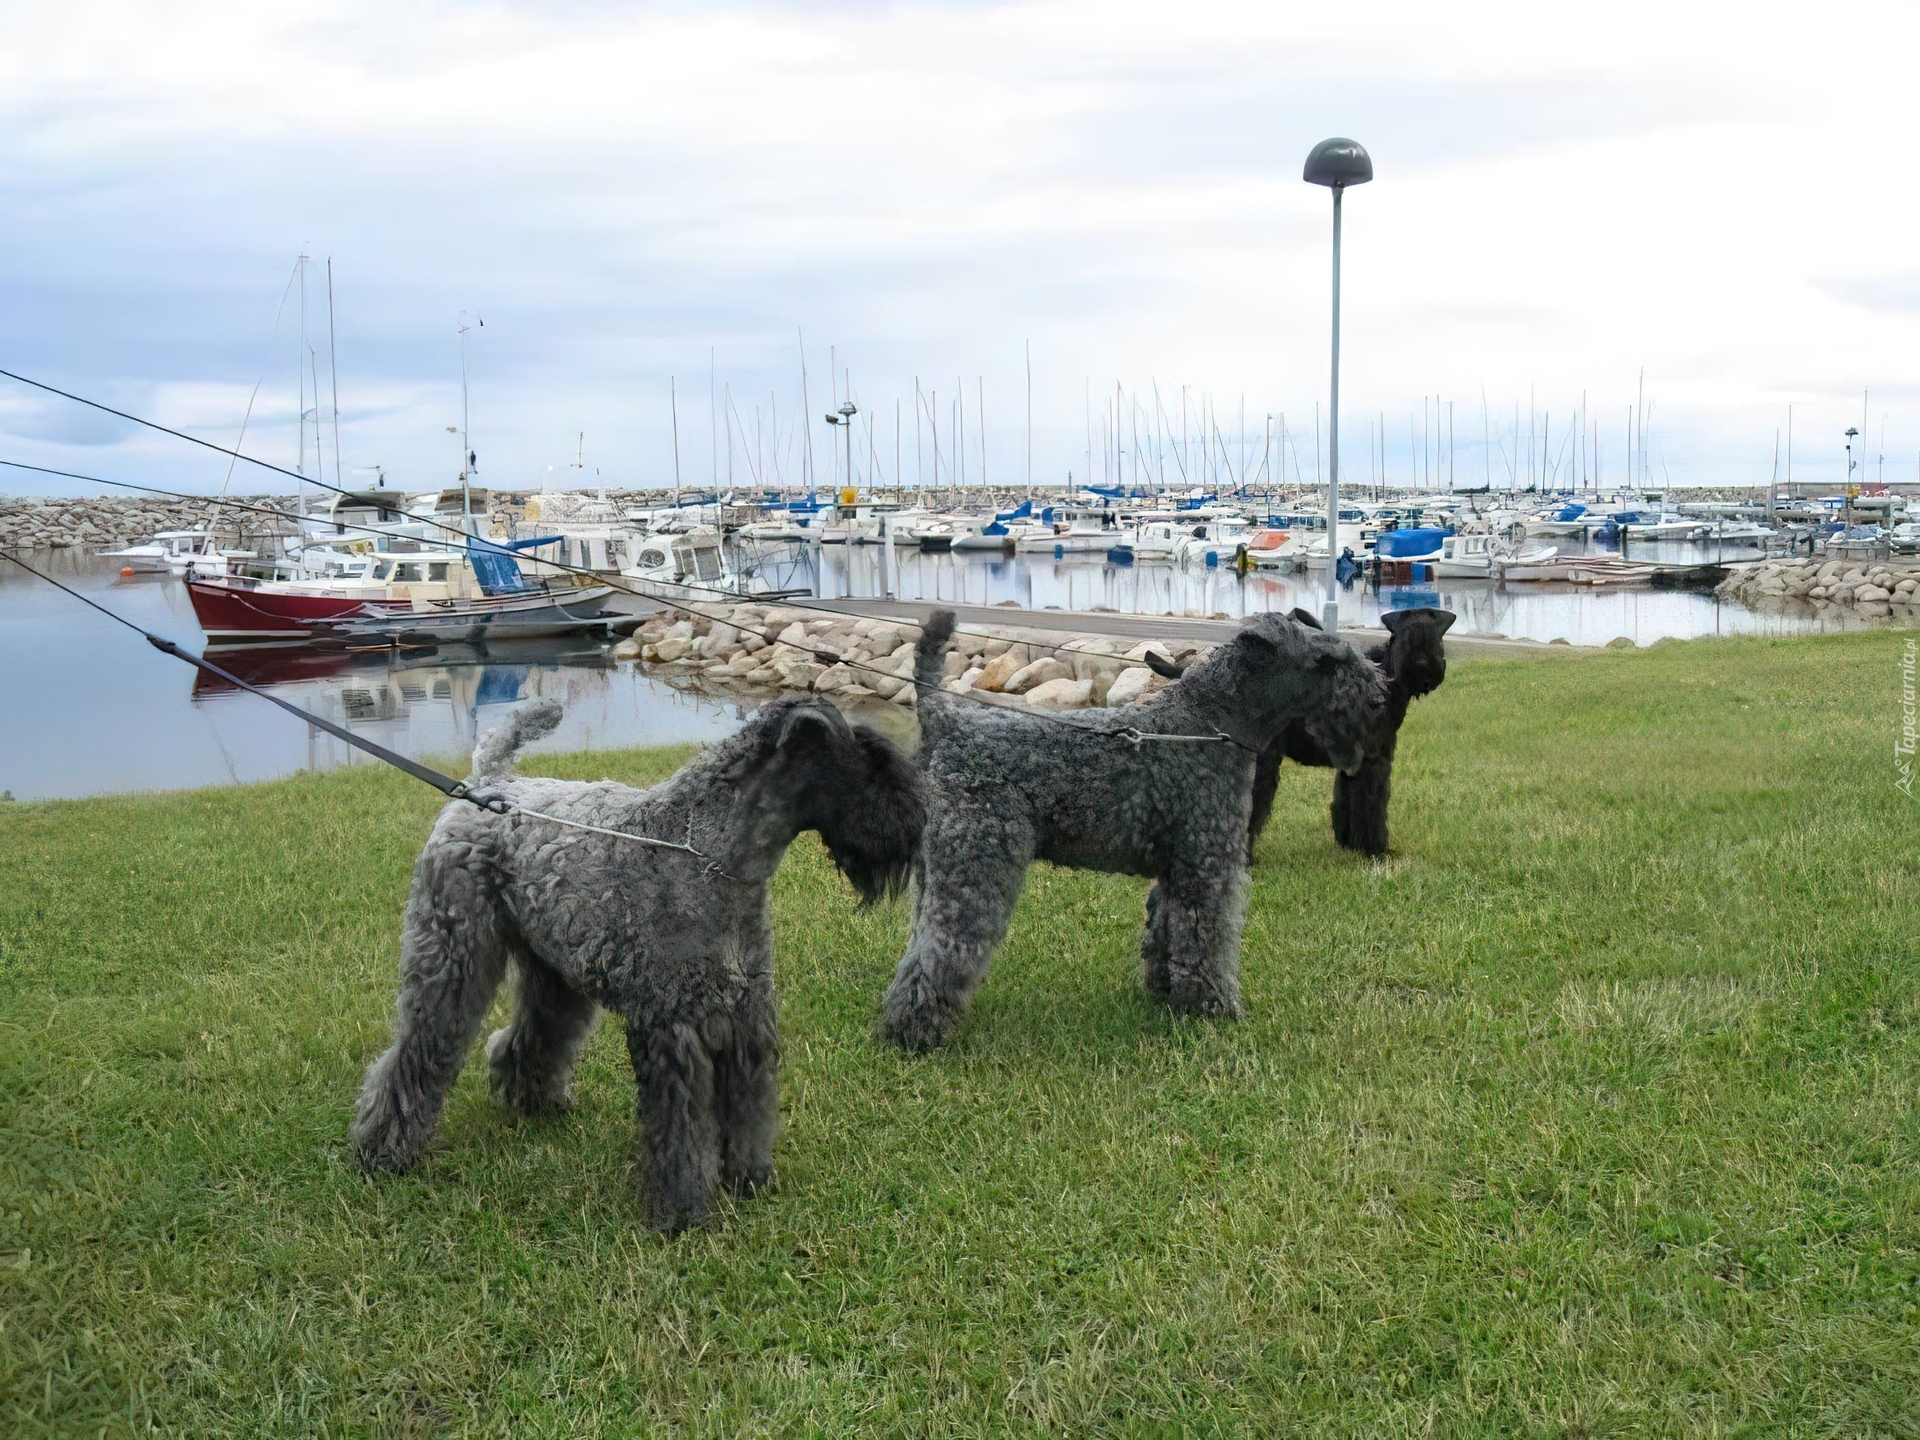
[(94, 709)]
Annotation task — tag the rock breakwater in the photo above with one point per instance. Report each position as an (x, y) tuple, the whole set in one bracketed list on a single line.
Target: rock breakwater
[(108, 522), (762, 648), (1870, 587)]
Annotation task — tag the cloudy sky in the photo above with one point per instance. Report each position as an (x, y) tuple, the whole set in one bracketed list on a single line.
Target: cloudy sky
[(637, 196)]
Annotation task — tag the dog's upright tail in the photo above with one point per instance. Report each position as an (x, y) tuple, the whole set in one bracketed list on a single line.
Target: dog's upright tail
[(930, 653), (493, 756)]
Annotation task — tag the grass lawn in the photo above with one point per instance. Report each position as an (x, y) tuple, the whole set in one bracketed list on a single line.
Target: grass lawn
[(1592, 1111)]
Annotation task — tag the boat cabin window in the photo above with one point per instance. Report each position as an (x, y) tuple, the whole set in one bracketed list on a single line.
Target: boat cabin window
[(380, 570), (437, 572), (406, 574)]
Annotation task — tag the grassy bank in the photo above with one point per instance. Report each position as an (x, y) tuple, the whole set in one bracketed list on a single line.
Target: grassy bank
[(1592, 1111)]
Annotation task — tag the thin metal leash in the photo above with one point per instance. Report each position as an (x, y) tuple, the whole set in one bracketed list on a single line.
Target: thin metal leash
[(446, 784), (713, 866)]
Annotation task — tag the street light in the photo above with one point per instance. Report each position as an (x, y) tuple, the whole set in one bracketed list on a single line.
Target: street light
[(1846, 490), (844, 418), (1335, 163)]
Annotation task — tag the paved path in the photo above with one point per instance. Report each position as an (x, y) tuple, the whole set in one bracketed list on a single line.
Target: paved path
[(1162, 627)]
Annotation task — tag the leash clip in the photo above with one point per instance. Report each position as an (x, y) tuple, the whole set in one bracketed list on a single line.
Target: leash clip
[(492, 804)]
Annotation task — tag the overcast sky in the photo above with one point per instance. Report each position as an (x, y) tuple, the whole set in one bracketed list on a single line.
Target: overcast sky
[(1722, 196)]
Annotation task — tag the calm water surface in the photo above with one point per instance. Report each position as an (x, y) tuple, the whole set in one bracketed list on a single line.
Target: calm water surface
[(94, 709)]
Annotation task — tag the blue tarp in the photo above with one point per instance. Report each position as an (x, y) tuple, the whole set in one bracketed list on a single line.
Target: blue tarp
[(494, 566), (1408, 544)]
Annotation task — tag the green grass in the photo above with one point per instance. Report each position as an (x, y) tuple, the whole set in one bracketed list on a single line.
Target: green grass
[(1591, 1112)]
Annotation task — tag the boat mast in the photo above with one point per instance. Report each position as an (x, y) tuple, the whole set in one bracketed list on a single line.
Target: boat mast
[(466, 444), (301, 463), (673, 402), (333, 365)]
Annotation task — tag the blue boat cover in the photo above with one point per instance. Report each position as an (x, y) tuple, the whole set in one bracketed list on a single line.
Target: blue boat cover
[(495, 568), (1408, 544)]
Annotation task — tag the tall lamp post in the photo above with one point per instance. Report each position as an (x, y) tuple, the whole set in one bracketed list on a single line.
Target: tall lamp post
[(1335, 163), (1846, 490), (844, 419)]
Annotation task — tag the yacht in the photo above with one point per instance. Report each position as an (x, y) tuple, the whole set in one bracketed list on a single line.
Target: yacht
[(182, 552), (1075, 532), (453, 594), (1149, 541), (692, 563), (1469, 557), (1218, 542)]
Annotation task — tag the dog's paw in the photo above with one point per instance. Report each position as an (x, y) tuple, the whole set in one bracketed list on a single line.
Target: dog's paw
[(519, 1086), (751, 1181), (919, 1029), (383, 1143), (1192, 996)]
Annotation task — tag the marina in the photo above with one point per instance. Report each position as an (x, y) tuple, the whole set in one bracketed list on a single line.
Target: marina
[(111, 714)]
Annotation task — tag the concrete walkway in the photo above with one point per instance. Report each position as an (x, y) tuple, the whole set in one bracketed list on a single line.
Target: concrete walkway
[(1163, 627)]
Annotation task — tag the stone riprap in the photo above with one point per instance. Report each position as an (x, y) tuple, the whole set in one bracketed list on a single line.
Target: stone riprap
[(1870, 587), (109, 522), (765, 649)]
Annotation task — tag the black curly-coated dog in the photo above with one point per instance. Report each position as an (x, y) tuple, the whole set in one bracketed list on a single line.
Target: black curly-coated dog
[(652, 903), (1160, 789), (1414, 660)]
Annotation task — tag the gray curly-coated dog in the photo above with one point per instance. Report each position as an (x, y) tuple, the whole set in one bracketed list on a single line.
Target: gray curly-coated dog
[(676, 944), (1006, 787), (1414, 660)]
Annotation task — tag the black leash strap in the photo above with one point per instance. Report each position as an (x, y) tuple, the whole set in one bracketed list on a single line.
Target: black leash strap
[(446, 784)]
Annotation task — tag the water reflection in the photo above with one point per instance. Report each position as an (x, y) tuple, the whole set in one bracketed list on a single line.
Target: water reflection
[(95, 709), (1578, 614), (98, 710)]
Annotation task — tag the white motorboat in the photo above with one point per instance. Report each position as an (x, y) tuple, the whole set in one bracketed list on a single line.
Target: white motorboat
[(1151, 541), (1469, 557), (1547, 564), (1746, 532), (1667, 527), (1353, 538), (1570, 519), (1272, 548), (1219, 544), (180, 552), (588, 531), (951, 532), (1079, 532), (692, 563)]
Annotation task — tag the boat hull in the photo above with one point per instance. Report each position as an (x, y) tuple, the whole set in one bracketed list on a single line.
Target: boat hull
[(239, 615)]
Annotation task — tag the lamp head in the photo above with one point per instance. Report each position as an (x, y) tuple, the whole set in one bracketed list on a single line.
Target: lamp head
[(1338, 163)]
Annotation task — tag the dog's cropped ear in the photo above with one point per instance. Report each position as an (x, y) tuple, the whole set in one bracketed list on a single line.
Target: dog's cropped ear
[(1253, 639), (808, 725), (1160, 665), (1306, 618), (1395, 619)]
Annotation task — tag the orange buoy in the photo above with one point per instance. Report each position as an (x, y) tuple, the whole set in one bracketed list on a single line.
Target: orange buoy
[(126, 572)]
